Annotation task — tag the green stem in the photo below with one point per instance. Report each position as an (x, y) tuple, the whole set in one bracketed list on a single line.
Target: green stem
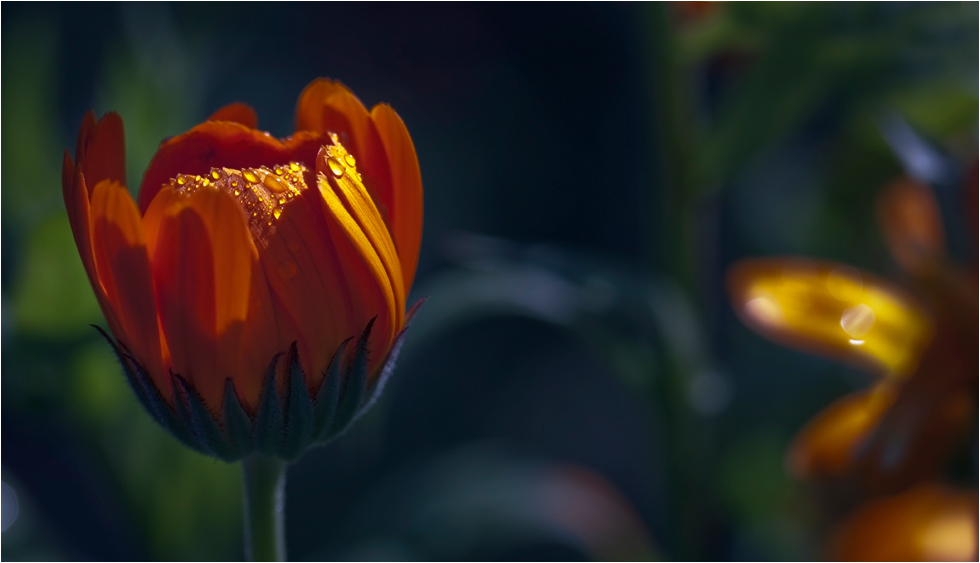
[(265, 500)]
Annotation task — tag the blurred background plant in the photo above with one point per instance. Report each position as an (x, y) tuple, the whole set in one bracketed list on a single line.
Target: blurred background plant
[(577, 386)]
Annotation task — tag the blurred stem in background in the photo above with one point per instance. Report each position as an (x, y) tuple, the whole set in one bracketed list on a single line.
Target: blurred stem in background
[(264, 502), (674, 242)]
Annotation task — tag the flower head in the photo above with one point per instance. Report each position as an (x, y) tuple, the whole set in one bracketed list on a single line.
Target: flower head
[(234, 286)]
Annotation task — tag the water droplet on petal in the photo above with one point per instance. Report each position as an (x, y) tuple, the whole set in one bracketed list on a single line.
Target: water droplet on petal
[(350, 159), (181, 181), (278, 171), (857, 321), (237, 192), (335, 167), (294, 166), (250, 176), (276, 214), (288, 269), (215, 175)]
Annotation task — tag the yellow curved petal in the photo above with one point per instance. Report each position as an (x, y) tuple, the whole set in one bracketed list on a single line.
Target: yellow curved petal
[(831, 309)]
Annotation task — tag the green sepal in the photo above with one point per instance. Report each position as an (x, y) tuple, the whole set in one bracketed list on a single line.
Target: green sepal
[(183, 414), (238, 425), (146, 392), (325, 406), (202, 422), (267, 432), (354, 388), (298, 423), (385, 374)]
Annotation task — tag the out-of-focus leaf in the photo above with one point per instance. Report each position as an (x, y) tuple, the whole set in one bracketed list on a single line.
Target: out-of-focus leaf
[(31, 155), (480, 500), (53, 297), (98, 387)]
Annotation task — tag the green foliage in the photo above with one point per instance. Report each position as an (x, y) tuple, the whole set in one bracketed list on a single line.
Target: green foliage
[(53, 297)]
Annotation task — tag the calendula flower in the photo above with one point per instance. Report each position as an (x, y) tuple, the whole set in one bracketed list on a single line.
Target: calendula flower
[(233, 288), (931, 522), (923, 348)]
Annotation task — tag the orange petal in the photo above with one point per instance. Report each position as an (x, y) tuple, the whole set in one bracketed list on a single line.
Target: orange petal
[(928, 523), (912, 225), (119, 251), (334, 167), (203, 265), (827, 446), (405, 203), (329, 107), (101, 150), (931, 414), (216, 144), (831, 309), (237, 112), (365, 272)]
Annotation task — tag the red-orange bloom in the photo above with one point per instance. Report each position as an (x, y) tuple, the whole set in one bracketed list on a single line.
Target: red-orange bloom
[(243, 244)]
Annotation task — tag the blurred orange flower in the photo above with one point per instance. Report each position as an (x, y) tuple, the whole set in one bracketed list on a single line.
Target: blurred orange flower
[(930, 522), (923, 348), (244, 247)]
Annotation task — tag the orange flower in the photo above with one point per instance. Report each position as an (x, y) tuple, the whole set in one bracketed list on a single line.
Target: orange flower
[(930, 522), (903, 429), (250, 262)]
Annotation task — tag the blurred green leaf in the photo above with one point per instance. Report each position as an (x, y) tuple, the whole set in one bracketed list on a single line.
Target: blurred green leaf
[(53, 297), (31, 155)]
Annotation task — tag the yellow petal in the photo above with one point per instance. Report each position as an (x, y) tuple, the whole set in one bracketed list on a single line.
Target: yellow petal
[(831, 309)]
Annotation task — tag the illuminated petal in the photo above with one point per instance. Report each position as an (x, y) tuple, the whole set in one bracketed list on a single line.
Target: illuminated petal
[(237, 113), (405, 203), (333, 165), (928, 523), (366, 271), (119, 251), (217, 144), (830, 309), (912, 225), (329, 107), (828, 444)]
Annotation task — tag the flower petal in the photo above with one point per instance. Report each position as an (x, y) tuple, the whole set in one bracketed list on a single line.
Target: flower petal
[(928, 523), (405, 203), (216, 144), (237, 112), (101, 150), (360, 206), (831, 309), (912, 225), (828, 444), (202, 265), (330, 107), (120, 257)]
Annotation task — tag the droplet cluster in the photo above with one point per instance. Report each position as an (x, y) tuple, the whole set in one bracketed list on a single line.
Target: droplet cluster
[(262, 192), (340, 161)]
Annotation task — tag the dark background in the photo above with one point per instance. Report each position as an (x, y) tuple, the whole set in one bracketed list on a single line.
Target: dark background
[(577, 386)]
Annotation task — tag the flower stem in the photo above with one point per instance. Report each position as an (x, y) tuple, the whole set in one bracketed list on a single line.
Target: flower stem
[(265, 499)]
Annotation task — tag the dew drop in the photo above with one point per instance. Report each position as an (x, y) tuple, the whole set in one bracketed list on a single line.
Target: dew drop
[(250, 176), (350, 159), (288, 269), (181, 181), (294, 166), (276, 214), (278, 171), (335, 167), (237, 192), (215, 175)]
